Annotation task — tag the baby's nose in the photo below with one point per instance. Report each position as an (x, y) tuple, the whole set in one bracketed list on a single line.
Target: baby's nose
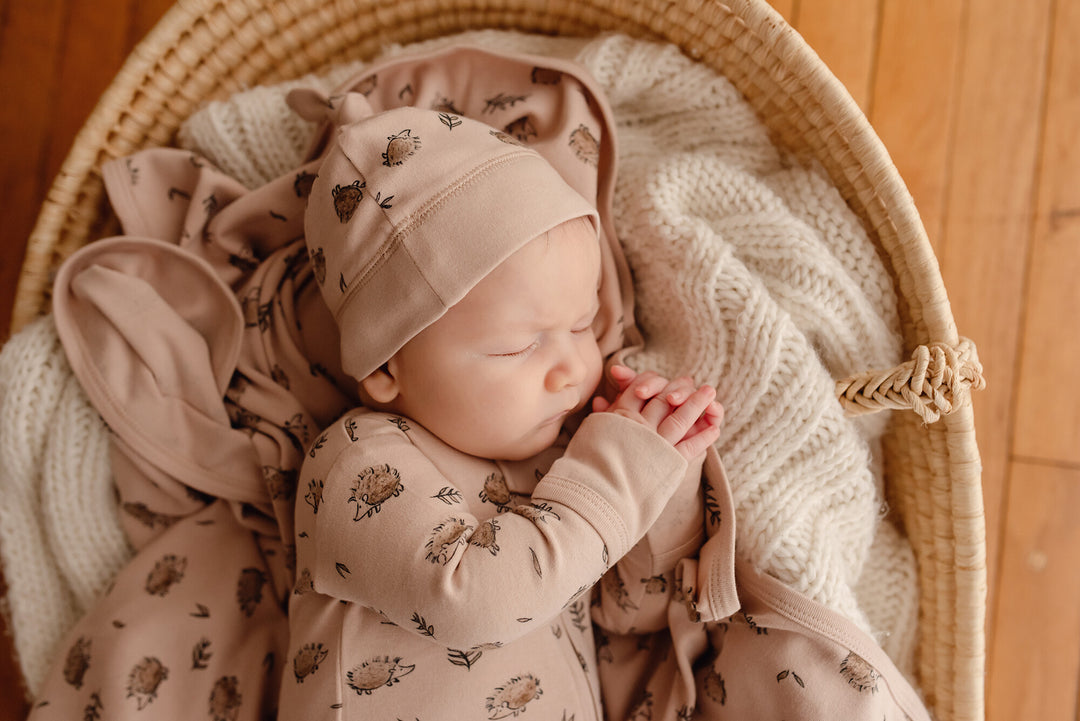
[(568, 370)]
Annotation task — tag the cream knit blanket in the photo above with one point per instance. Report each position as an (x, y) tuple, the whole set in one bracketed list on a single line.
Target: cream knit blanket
[(750, 273)]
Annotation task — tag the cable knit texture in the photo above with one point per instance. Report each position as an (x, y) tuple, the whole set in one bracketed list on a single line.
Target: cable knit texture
[(750, 272)]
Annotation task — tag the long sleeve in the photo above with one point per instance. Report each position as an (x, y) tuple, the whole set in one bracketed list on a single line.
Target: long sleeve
[(635, 594), (401, 528)]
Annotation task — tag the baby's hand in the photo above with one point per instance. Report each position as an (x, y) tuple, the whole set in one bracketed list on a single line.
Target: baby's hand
[(685, 415)]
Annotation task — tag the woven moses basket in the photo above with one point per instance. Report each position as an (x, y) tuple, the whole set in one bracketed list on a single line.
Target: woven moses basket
[(206, 49)]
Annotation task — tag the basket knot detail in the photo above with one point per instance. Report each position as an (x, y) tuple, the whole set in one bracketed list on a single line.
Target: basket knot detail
[(937, 381)]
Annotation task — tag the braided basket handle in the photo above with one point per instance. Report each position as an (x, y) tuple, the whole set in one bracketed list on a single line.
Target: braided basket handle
[(937, 381)]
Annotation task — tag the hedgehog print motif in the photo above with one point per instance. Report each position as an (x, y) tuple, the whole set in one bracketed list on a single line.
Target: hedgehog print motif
[(713, 684), (859, 674), (376, 673), (585, 146), (145, 679), (77, 662), (512, 697), (496, 491), (537, 512), (446, 539), (249, 590), (522, 129), (307, 660), (166, 573), (503, 137), (484, 537), (347, 198), (400, 148), (546, 76), (302, 184), (373, 487), (225, 699)]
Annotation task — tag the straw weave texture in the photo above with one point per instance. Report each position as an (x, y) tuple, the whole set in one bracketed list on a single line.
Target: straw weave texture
[(207, 49)]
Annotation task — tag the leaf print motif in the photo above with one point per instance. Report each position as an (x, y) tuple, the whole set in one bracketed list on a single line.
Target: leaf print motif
[(314, 494), (317, 446), (77, 662), (448, 495), (788, 672), (318, 264), (225, 699), (536, 563), (373, 487), (502, 101), (512, 697), (712, 506), (400, 422), (144, 680), (307, 660), (450, 121), (423, 626), (578, 616), (200, 656), (342, 569), (376, 673), (859, 674), (201, 611), (92, 711), (382, 202), (465, 659), (166, 573)]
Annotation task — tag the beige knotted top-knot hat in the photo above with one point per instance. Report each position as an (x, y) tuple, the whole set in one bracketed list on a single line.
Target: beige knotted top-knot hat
[(409, 210)]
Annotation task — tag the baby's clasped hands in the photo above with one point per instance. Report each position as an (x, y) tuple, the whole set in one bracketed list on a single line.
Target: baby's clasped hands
[(684, 414)]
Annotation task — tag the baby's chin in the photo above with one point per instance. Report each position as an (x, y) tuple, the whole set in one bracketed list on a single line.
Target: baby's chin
[(531, 445)]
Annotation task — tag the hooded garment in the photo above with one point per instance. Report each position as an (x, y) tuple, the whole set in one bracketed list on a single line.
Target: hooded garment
[(409, 210)]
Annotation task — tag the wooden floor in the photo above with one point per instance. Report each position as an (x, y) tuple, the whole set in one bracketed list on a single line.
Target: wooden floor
[(979, 104)]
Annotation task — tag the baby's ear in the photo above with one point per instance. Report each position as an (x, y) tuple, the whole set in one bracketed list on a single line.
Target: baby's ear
[(381, 385)]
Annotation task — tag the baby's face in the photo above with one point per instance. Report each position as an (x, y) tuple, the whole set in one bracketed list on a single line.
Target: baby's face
[(496, 376)]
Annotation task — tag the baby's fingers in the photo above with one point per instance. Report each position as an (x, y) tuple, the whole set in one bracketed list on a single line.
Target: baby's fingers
[(681, 420), (698, 441)]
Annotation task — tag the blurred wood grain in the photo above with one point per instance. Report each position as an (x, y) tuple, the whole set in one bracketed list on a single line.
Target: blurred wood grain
[(979, 106)]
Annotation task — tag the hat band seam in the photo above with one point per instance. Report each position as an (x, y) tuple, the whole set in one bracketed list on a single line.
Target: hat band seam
[(416, 219)]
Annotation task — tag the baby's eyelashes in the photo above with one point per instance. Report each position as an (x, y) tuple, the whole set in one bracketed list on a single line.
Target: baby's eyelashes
[(518, 353)]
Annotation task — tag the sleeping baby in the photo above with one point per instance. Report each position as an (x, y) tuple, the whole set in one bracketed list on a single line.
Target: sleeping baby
[(450, 530)]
